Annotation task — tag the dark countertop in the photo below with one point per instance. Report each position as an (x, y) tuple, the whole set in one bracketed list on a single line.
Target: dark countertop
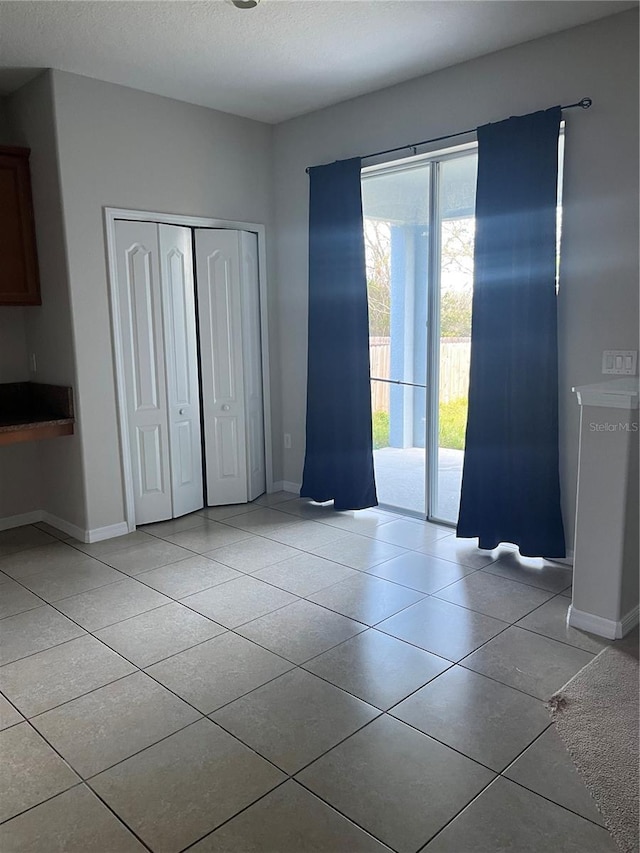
[(29, 405), (11, 426)]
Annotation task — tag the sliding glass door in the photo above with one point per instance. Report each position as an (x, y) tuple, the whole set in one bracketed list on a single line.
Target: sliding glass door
[(418, 222)]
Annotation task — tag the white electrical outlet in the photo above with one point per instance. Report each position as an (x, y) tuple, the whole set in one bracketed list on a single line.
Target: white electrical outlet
[(287, 441), (619, 361)]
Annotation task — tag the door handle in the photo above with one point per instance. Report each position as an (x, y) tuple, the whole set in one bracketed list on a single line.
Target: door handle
[(182, 411), (226, 408)]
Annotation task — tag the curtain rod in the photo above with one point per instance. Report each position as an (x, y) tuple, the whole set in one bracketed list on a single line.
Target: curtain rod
[(584, 103)]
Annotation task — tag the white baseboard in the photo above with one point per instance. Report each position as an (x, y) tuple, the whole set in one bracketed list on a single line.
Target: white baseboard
[(608, 628), (108, 532), (20, 520), (95, 535), (286, 486), (60, 524), (630, 621)]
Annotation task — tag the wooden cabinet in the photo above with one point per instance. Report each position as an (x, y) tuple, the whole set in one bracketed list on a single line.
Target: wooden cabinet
[(19, 281)]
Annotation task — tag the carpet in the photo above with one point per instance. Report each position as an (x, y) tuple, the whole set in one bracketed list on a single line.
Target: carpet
[(596, 715)]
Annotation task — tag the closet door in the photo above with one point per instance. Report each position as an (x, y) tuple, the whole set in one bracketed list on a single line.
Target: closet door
[(220, 328), (141, 325), (231, 364), (252, 364), (181, 363)]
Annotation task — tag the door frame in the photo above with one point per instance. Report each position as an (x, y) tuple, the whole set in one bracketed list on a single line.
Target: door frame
[(111, 215), (435, 158)]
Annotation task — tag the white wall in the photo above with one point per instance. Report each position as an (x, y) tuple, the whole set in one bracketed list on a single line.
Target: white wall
[(119, 147), (598, 303)]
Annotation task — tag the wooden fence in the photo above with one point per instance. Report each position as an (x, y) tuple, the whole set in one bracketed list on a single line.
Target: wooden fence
[(454, 370), (380, 358), (455, 356)]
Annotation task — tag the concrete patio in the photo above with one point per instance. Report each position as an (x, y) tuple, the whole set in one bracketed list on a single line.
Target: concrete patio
[(400, 479)]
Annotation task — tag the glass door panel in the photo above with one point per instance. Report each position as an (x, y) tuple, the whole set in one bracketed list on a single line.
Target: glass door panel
[(453, 291), (399, 465), (396, 230), (419, 234)]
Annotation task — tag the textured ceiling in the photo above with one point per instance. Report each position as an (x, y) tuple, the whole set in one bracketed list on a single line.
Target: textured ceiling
[(279, 60)]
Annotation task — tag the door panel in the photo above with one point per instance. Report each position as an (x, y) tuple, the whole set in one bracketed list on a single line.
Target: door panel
[(138, 281), (143, 348), (183, 433), (252, 351), (419, 230), (150, 439), (223, 322), (221, 361), (183, 401), (226, 430)]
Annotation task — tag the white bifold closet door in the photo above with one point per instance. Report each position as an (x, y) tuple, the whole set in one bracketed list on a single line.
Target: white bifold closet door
[(158, 333), (231, 364)]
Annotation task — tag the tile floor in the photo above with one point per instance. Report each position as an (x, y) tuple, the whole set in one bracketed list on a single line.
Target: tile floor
[(281, 678)]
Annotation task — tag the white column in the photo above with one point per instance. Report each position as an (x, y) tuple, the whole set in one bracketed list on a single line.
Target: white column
[(605, 574)]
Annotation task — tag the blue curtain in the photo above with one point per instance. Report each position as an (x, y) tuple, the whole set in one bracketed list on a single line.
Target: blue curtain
[(338, 464), (510, 483)]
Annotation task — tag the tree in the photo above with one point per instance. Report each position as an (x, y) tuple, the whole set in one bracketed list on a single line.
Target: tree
[(457, 239), (455, 313), (377, 238)]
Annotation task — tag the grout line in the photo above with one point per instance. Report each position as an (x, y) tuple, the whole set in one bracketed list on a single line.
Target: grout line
[(144, 667), (81, 781), (345, 815), (118, 817), (415, 589), (437, 739), (109, 624), (564, 642), (490, 615), (192, 844), (524, 582), (522, 751), (53, 646), (548, 799), (20, 612), (395, 705), (46, 800), (30, 717), (15, 707), (457, 814)]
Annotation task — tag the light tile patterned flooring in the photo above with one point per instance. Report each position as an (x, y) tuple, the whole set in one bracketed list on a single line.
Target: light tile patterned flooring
[(281, 678)]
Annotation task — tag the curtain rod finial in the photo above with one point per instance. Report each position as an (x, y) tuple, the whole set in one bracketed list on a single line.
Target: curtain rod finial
[(585, 103)]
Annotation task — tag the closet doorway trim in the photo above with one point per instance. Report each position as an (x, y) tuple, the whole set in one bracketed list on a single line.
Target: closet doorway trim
[(111, 214)]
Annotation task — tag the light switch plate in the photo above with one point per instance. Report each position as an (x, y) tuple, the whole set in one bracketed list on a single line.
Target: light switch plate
[(623, 362)]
